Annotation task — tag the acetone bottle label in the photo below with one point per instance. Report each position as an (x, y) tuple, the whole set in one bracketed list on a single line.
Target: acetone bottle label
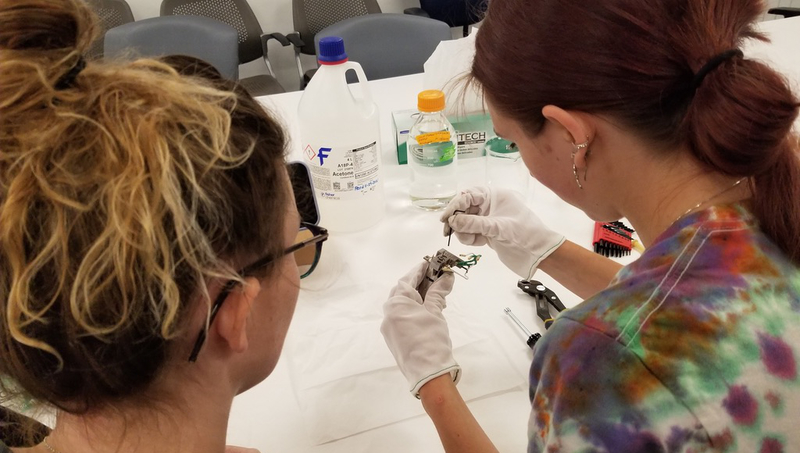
[(343, 173)]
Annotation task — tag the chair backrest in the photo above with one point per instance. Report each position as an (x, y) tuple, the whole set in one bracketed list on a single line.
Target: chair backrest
[(455, 13), (389, 45), (235, 13), (200, 37), (311, 16), (112, 13)]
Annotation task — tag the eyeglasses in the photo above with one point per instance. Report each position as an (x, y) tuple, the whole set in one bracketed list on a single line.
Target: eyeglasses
[(305, 257)]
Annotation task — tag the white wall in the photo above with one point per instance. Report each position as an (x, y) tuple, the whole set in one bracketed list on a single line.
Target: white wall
[(274, 16)]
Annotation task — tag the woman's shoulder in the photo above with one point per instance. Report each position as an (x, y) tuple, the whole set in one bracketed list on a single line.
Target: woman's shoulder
[(715, 295), (724, 345), (714, 316), (725, 241), (712, 269)]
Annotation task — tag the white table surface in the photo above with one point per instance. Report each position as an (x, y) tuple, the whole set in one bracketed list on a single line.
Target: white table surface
[(336, 375)]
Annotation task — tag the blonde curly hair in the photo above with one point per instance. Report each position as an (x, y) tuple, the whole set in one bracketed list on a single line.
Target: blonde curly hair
[(122, 191)]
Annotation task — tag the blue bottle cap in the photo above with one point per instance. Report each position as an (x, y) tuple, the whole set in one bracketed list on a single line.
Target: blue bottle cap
[(331, 50)]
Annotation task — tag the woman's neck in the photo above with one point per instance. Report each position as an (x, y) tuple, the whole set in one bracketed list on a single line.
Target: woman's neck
[(195, 421), (666, 193)]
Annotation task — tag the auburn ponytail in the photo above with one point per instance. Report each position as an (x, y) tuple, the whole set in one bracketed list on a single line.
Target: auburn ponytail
[(638, 62)]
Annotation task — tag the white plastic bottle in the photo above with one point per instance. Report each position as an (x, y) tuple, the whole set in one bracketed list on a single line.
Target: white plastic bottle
[(432, 154), (341, 143)]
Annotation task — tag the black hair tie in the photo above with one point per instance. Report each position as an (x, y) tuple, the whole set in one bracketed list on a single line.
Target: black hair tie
[(712, 64), (68, 79)]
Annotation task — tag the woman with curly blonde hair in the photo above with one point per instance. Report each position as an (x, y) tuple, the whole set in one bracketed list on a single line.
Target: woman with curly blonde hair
[(146, 218)]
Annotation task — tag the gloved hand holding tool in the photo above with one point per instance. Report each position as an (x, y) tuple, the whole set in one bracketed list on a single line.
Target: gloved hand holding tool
[(415, 329), (501, 219)]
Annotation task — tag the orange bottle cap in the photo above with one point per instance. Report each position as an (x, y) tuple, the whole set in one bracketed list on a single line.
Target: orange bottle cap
[(430, 101)]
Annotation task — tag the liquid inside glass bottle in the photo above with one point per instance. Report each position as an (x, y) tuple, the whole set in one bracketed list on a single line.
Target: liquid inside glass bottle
[(432, 154)]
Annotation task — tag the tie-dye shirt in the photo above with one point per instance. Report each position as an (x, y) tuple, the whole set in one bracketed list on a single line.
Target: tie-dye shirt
[(692, 348)]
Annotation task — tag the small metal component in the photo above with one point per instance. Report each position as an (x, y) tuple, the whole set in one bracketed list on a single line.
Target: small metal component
[(544, 297), (531, 338), (438, 264), (444, 261)]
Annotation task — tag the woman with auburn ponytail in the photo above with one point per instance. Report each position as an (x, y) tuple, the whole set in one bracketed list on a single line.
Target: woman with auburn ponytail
[(646, 110), (147, 224)]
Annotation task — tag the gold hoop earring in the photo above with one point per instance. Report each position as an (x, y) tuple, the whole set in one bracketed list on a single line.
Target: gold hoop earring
[(586, 170), (578, 147)]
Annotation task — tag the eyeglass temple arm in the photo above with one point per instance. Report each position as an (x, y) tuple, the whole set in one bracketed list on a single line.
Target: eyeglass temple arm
[(201, 338), (197, 346)]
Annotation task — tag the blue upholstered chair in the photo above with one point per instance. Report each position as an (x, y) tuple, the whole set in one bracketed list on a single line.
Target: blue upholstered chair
[(252, 43), (388, 45), (200, 37)]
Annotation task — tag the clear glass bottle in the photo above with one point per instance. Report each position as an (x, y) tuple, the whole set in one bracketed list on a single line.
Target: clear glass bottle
[(432, 154), (504, 167)]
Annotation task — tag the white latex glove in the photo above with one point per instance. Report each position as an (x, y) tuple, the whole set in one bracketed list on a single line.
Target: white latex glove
[(416, 331), (501, 219)]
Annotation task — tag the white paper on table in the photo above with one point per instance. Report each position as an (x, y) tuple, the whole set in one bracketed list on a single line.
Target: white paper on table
[(347, 382)]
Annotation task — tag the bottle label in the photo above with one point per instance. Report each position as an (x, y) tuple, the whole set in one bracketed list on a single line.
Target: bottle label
[(433, 137), (342, 173), (433, 154)]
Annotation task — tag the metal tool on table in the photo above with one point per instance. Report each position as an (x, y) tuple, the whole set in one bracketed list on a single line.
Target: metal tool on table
[(545, 297), (531, 338)]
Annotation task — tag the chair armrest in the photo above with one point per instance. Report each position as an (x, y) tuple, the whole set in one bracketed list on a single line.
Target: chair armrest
[(785, 12), (276, 36), (416, 12), (295, 39), (265, 38)]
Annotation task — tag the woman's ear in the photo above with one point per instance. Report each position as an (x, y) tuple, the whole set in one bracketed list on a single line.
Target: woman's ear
[(231, 322), (576, 129)]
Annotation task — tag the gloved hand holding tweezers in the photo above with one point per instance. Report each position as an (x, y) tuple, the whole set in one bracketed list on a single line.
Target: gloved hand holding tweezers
[(501, 219)]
